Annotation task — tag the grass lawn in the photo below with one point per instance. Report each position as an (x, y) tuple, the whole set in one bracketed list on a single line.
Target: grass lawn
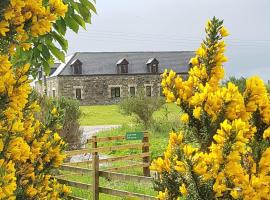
[(110, 115)]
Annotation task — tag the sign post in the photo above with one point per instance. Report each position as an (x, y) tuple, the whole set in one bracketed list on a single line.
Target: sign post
[(134, 135)]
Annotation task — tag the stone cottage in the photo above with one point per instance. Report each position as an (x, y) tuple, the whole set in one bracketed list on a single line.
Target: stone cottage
[(105, 77)]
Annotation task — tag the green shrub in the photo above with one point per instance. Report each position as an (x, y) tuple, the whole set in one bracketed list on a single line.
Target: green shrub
[(71, 132), (142, 107), (69, 114)]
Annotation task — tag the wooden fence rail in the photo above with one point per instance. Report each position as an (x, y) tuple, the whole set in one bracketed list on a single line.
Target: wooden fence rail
[(113, 159), (107, 173), (110, 191), (106, 149)]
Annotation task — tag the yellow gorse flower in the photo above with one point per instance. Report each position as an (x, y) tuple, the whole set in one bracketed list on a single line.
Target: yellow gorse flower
[(183, 190), (224, 32), (184, 118), (4, 28)]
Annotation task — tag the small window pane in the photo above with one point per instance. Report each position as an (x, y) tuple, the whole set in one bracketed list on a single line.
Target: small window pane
[(132, 91), (154, 68), (115, 92), (53, 93), (148, 91), (124, 69), (77, 69), (78, 93)]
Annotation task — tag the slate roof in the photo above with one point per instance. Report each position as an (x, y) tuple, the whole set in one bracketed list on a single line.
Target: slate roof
[(102, 63), (61, 66), (151, 60)]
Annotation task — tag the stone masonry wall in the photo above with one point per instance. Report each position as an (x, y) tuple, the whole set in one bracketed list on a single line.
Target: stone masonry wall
[(52, 85), (97, 89)]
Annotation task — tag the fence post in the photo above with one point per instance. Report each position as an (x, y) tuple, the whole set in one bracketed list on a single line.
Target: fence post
[(145, 149), (95, 175)]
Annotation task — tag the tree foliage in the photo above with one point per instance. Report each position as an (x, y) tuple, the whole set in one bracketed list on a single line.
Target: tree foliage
[(230, 156), (239, 82), (29, 149), (40, 27)]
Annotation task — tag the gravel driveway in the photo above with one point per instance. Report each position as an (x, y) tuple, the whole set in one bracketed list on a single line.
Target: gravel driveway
[(88, 132)]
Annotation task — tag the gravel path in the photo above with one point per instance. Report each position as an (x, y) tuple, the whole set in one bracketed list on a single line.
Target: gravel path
[(88, 132)]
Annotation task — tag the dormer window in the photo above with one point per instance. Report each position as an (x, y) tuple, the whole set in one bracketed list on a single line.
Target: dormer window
[(122, 66), (152, 65), (76, 66)]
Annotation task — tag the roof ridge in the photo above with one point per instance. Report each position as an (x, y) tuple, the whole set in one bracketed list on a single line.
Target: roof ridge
[(93, 52)]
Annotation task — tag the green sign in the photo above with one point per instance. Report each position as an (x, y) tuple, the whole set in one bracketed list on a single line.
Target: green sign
[(134, 136)]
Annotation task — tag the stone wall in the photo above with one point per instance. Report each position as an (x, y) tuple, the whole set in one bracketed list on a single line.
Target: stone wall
[(49, 86), (97, 89), (52, 87)]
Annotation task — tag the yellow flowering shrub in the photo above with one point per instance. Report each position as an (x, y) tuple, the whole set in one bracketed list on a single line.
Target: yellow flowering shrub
[(229, 156), (30, 150)]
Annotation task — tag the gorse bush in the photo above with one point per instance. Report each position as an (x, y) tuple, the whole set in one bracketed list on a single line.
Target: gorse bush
[(142, 107), (230, 155), (29, 149)]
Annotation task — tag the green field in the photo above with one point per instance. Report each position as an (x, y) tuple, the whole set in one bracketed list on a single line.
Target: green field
[(164, 120), (110, 115)]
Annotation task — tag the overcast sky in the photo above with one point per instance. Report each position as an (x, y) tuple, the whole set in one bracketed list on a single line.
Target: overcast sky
[(178, 25)]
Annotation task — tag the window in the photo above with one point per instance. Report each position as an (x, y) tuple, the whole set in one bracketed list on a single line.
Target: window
[(77, 66), (115, 92), (122, 66), (78, 93), (152, 65), (77, 69), (148, 91), (132, 91), (53, 93), (124, 69), (154, 68)]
